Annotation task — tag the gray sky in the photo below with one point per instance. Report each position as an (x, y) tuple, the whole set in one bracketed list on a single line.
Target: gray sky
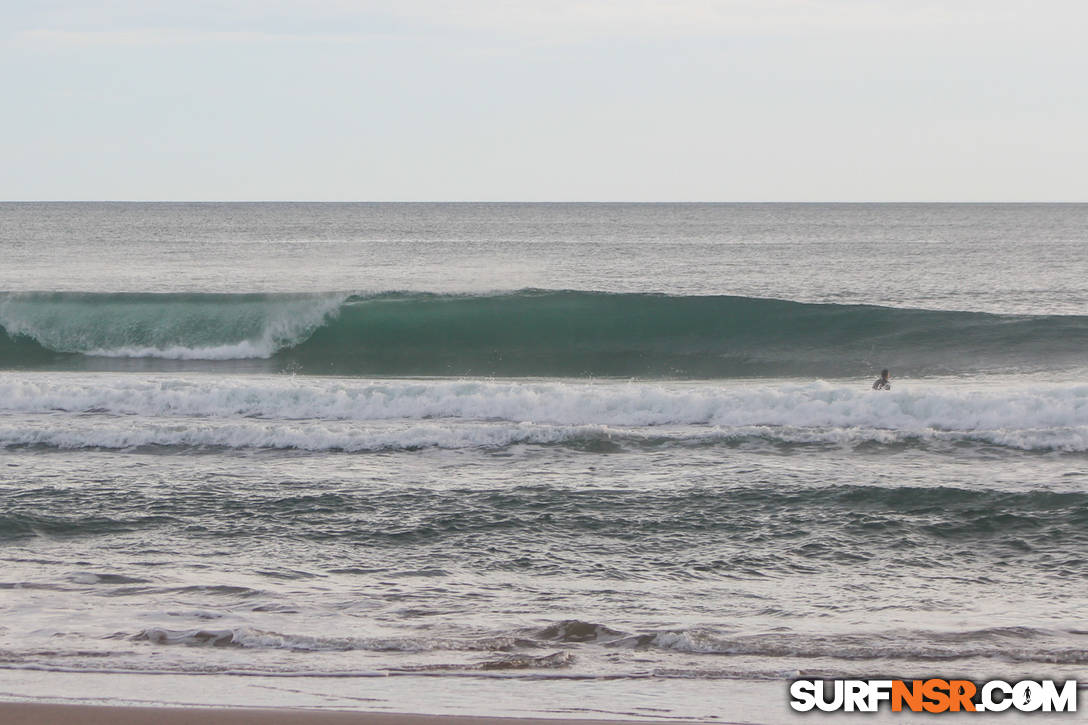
[(599, 100)]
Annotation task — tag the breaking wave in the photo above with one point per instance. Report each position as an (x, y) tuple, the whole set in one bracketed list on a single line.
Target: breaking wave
[(525, 333), (353, 415), (1009, 644)]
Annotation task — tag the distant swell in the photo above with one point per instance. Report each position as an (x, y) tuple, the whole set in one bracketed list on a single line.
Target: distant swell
[(527, 333)]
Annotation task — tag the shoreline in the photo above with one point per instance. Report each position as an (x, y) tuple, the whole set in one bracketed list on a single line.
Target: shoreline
[(35, 713)]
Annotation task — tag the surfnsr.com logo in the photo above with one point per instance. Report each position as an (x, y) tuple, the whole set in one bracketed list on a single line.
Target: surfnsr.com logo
[(933, 695)]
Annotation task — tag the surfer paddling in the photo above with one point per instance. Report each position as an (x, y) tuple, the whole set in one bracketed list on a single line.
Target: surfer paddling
[(882, 383)]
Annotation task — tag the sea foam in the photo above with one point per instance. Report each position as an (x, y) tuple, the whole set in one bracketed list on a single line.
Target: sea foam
[(325, 413)]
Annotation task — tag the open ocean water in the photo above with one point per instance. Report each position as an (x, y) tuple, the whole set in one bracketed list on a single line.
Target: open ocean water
[(614, 460)]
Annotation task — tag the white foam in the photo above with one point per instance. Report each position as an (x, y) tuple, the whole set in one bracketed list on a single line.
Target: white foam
[(245, 350), (352, 437), (251, 638), (348, 414), (560, 403), (272, 326)]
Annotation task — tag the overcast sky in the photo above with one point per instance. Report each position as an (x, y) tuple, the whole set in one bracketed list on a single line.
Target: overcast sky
[(545, 100)]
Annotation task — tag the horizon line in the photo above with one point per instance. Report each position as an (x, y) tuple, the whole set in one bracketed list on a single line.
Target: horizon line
[(465, 201)]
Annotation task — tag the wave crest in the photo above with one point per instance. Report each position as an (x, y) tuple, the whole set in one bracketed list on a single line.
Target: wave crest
[(529, 333), (173, 327)]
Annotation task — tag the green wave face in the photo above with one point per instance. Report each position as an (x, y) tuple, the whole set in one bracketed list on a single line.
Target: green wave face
[(527, 333)]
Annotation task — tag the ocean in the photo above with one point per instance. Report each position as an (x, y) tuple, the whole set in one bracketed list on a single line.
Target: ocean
[(599, 460)]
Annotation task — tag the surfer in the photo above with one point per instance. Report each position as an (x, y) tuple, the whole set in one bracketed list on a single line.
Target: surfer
[(882, 383)]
